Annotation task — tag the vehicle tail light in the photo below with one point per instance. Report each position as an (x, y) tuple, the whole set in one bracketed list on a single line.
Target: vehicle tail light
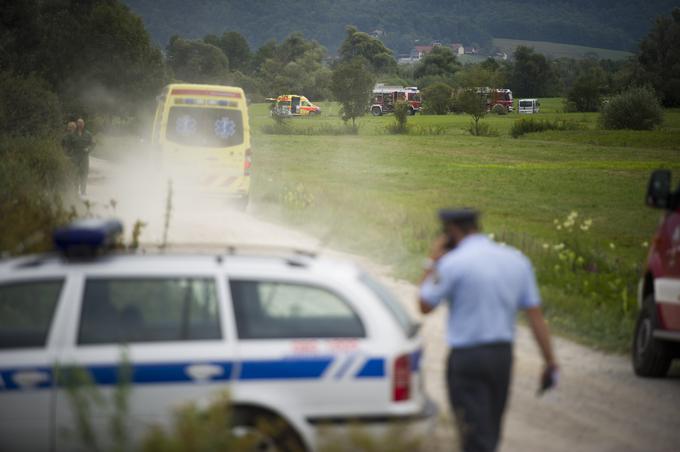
[(248, 162), (401, 389)]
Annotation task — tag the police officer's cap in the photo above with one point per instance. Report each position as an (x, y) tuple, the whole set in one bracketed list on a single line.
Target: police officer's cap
[(464, 215)]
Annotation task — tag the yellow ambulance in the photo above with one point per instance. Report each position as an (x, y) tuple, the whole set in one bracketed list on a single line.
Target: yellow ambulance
[(203, 135)]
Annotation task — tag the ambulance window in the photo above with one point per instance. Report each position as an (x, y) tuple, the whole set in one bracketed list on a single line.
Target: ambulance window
[(149, 310), (205, 127), (26, 311), (273, 310)]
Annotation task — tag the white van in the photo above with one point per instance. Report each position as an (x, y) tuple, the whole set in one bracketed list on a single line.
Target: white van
[(529, 106)]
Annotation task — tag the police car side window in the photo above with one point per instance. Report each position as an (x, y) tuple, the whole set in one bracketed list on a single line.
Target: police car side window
[(274, 310), (26, 311), (149, 310)]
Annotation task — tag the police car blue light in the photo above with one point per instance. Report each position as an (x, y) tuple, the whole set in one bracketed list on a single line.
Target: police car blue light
[(87, 237)]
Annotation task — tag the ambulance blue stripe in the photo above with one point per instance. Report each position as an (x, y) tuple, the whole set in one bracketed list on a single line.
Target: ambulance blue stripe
[(303, 368), (372, 368)]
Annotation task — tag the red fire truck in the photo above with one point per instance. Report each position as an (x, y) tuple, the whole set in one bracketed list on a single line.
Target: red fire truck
[(657, 330), (499, 96), (384, 98)]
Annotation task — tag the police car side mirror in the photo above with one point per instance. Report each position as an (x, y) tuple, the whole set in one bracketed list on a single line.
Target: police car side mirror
[(659, 189)]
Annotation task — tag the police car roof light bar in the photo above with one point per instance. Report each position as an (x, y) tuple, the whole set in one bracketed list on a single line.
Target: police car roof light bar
[(87, 238)]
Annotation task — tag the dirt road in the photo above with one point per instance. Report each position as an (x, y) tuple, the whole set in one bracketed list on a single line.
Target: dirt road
[(600, 405)]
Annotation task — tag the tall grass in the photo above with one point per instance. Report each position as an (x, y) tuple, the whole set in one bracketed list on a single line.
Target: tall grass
[(531, 125)]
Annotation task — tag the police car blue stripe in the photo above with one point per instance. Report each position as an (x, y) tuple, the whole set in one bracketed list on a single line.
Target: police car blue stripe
[(8, 384), (154, 373), (372, 368), (416, 358), (345, 366), (295, 368)]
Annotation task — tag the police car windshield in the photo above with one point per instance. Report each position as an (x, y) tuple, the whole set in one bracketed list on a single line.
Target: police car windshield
[(393, 305), (205, 127)]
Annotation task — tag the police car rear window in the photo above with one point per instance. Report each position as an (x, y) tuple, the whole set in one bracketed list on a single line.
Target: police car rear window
[(26, 311), (392, 304), (273, 310), (149, 310)]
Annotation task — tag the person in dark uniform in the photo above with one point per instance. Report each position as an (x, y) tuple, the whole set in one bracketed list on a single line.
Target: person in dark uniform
[(484, 285), (83, 144)]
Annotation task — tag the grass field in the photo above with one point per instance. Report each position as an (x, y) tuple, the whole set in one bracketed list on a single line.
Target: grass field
[(555, 50), (376, 194)]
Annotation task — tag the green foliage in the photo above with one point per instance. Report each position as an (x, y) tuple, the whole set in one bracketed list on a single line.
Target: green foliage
[(437, 99), (607, 24), (96, 56), (359, 44), (441, 61), (636, 109), (34, 173), (523, 126), (659, 56), (587, 90), (196, 61), (352, 83), (293, 67), (474, 104), (401, 113), (481, 129), (235, 48), (531, 75), (27, 107)]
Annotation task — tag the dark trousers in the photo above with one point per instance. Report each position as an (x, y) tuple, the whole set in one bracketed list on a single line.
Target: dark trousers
[(478, 380)]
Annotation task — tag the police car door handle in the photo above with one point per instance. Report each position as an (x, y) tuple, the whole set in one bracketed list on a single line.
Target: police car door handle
[(30, 378), (203, 372)]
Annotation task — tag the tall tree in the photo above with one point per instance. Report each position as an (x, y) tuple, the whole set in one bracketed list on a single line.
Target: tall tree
[(97, 56), (660, 58), (196, 61), (360, 44), (531, 74), (234, 46), (441, 61), (352, 83)]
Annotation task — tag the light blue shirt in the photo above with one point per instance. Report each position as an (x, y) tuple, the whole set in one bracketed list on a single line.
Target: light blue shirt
[(484, 284)]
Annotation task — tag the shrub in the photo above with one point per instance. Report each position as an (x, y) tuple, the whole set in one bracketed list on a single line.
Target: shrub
[(437, 99), (532, 125), (500, 109), (27, 107), (481, 129), (423, 130), (636, 109), (401, 112), (34, 174)]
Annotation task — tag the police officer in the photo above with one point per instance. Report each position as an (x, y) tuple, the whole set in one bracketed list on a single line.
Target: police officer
[(484, 285), (83, 144)]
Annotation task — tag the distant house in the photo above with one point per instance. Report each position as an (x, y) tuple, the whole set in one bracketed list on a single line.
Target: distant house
[(457, 48), (378, 34), (421, 51), (470, 51)]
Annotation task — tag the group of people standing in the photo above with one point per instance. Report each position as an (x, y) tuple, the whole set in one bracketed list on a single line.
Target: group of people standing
[(77, 144)]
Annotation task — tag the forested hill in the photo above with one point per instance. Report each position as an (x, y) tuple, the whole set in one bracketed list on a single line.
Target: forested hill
[(614, 24)]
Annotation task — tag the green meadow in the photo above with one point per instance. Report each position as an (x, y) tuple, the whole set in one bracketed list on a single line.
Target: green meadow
[(572, 200)]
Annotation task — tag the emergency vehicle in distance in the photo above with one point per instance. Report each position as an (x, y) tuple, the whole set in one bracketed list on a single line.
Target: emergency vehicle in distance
[(384, 98), (499, 96), (528, 106), (293, 105), (203, 136), (300, 342), (657, 330)]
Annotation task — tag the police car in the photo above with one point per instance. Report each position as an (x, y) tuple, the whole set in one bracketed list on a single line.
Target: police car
[(302, 340)]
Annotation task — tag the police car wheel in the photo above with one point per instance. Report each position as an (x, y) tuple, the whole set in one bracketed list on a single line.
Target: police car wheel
[(376, 111), (651, 357), (265, 432)]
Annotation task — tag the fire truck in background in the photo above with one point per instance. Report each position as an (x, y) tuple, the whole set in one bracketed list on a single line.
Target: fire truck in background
[(384, 98), (499, 96)]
